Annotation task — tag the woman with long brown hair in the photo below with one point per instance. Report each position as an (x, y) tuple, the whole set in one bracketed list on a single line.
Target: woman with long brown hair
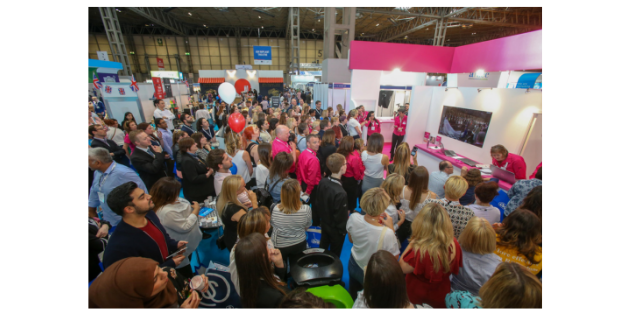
[(259, 287), (375, 162), (254, 221), (326, 148), (129, 126), (413, 198), (354, 172), (432, 256), (518, 238), (401, 163), (264, 163), (278, 174), (178, 216), (384, 284)]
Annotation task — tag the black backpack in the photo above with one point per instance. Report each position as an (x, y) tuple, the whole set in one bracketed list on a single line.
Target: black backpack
[(263, 196)]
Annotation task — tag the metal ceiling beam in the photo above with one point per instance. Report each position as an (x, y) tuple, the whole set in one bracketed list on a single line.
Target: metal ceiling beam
[(157, 16), (401, 13), (404, 29), (458, 12), (476, 19)]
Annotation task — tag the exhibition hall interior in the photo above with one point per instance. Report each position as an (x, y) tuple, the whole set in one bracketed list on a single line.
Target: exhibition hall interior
[(314, 157)]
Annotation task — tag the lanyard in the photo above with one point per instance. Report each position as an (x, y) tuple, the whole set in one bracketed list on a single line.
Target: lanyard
[(103, 179)]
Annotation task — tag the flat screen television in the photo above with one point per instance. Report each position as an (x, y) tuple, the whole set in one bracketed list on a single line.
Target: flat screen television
[(466, 125)]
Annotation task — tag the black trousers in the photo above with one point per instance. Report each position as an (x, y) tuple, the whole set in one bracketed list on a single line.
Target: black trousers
[(292, 253), (351, 186), (396, 140), (314, 210), (331, 237)]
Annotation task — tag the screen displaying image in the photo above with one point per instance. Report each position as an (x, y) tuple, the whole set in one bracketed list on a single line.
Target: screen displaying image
[(466, 125)]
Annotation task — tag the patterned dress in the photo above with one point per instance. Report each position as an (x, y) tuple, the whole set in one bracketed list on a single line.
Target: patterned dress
[(459, 214)]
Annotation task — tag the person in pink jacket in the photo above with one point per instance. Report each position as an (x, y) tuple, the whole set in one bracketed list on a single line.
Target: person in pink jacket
[(308, 171), (373, 124), (535, 171), (508, 161)]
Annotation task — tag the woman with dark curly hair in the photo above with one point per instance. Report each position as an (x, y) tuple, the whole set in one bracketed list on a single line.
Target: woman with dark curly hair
[(518, 238)]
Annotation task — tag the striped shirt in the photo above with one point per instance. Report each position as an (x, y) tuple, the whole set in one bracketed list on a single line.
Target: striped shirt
[(290, 229)]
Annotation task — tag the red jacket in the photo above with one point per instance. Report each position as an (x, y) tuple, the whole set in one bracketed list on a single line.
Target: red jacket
[(308, 170), (398, 123), (375, 127), (355, 167), (513, 163)]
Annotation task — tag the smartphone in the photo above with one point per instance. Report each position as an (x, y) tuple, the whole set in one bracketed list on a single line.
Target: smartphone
[(180, 251), (413, 152)]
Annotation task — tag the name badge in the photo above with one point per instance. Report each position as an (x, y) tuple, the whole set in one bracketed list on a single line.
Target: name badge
[(404, 122), (373, 127), (101, 197)]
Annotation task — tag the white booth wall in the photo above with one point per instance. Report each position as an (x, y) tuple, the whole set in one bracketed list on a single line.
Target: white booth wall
[(512, 111), (365, 85)]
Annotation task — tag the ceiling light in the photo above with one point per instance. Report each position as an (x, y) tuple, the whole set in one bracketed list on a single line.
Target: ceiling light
[(481, 72), (204, 25), (190, 14), (313, 30), (433, 78), (259, 17), (318, 20), (377, 24), (405, 36), (146, 24), (262, 27)]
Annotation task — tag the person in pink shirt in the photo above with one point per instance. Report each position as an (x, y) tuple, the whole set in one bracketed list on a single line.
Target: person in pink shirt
[(354, 171), (535, 171), (308, 171), (400, 129), (373, 124), (281, 144), (361, 115), (508, 161)]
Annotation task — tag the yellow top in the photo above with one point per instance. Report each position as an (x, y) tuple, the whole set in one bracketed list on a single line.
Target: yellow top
[(512, 254)]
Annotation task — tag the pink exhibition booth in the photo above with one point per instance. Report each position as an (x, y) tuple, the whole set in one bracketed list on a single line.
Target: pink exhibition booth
[(474, 98)]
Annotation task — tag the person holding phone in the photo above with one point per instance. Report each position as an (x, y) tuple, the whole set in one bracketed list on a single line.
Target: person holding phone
[(140, 233)]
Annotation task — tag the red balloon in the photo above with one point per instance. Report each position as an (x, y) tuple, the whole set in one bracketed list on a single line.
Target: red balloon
[(236, 122)]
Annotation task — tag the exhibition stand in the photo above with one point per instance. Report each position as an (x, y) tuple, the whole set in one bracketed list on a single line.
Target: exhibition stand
[(473, 74), (430, 158)]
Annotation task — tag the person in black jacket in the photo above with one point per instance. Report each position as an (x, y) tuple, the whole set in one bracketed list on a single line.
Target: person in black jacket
[(139, 233), (331, 202), (259, 288), (98, 232), (197, 179), (327, 147), (100, 140), (147, 159)]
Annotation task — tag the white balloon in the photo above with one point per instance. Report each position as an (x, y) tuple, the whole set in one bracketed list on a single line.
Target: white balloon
[(227, 92)]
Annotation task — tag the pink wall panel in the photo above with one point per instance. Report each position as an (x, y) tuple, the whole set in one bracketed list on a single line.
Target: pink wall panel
[(407, 57), (518, 52)]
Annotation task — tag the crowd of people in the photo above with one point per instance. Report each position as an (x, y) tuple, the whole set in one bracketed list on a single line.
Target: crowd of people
[(419, 239)]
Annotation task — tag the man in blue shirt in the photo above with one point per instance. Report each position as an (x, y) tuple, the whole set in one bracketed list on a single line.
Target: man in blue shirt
[(99, 107), (438, 179), (107, 176), (167, 138)]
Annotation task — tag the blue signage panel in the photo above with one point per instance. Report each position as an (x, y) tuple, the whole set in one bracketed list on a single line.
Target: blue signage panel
[(527, 80), (262, 55)]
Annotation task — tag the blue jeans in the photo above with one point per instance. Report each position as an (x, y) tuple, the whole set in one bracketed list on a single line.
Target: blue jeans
[(356, 277)]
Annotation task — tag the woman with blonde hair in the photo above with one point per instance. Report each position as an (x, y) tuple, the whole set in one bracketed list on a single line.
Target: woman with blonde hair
[(290, 220), (393, 186), (240, 158), (401, 164), (478, 242), (454, 188), (339, 109), (354, 126), (369, 233), (254, 221), (230, 209), (291, 124), (432, 256)]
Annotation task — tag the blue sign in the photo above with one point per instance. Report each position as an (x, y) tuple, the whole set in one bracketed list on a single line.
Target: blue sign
[(527, 80), (338, 86), (262, 55)]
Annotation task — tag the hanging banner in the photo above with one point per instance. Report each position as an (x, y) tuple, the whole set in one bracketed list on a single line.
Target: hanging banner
[(160, 63), (167, 87), (270, 89), (102, 55), (262, 55), (159, 90)]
